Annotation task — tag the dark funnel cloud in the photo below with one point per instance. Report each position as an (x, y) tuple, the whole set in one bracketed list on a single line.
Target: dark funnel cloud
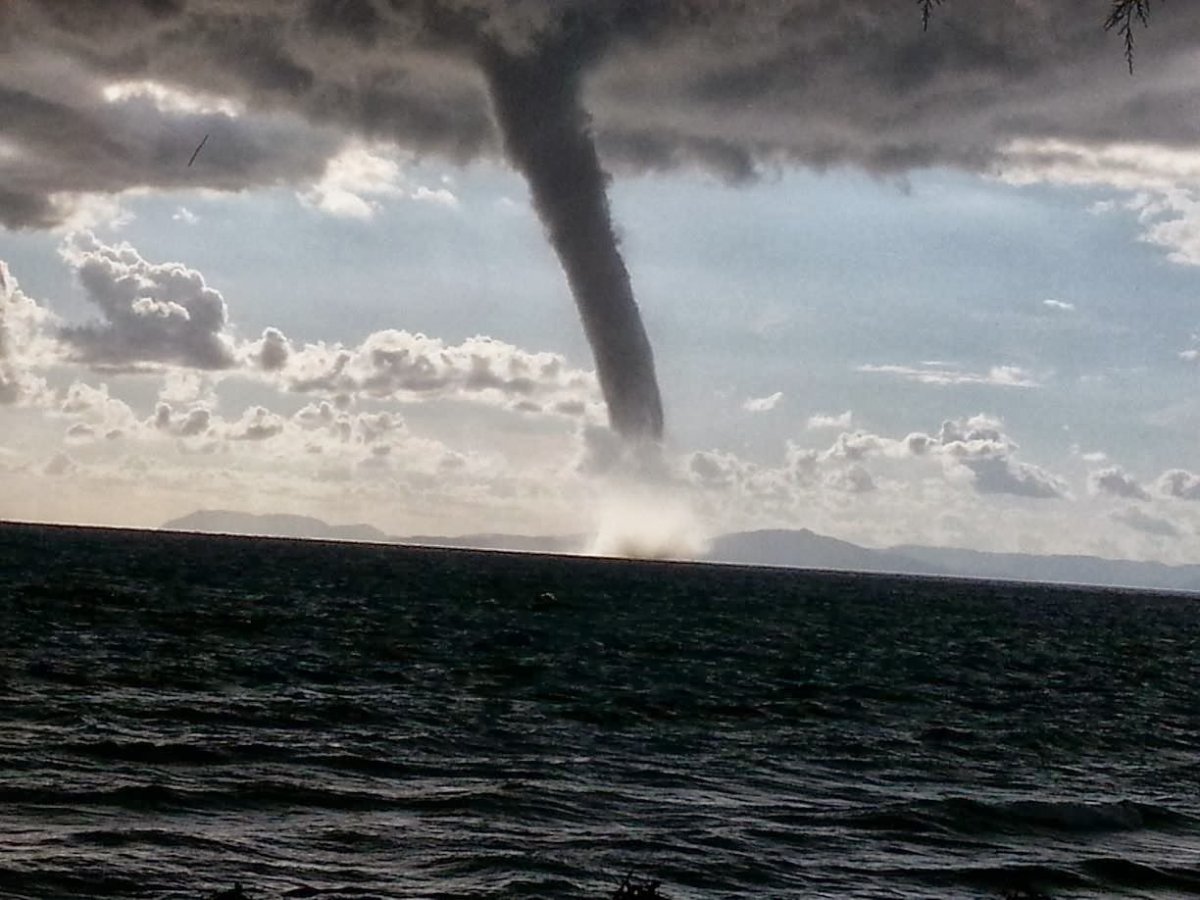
[(547, 136)]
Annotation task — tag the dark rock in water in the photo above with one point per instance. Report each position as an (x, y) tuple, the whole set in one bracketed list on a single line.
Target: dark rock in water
[(234, 893)]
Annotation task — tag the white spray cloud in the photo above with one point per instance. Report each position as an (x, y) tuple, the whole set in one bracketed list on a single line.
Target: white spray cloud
[(646, 521)]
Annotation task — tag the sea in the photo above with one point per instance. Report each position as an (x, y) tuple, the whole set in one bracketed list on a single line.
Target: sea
[(180, 714)]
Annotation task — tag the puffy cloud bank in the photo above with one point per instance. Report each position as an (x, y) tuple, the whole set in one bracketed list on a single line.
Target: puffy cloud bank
[(165, 319), (161, 314), (974, 450), (406, 366), (24, 345)]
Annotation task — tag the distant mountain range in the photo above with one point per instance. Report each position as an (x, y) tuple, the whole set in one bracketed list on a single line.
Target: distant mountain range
[(220, 521), (223, 521), (796, 549)]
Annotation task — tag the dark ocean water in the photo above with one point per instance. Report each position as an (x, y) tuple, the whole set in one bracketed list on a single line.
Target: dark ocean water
[(178, 713)]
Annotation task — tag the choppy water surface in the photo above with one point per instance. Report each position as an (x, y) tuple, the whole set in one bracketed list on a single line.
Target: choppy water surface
[(178, 713)]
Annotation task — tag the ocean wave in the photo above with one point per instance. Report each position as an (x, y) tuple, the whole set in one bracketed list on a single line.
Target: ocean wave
[(1117, 871), (148, 837), (241, 795), (971, 816), (147, 752), (379, 732)]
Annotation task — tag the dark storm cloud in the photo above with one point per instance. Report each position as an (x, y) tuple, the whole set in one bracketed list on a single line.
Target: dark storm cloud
[(63, 136), (725, 85)]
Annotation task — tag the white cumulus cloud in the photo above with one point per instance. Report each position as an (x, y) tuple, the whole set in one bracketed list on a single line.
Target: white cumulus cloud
[(1117, 483), (360, 176), (25, 345), (1179, 483), (823, 420), (407, 366), (763, 404), (947, 374), (1059, 305), (1146, 523), (152, 315)]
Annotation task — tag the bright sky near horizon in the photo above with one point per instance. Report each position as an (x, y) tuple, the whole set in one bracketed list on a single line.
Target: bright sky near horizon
[(912, 341)]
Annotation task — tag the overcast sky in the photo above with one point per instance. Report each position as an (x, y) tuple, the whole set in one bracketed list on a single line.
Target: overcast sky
[(902, 287)]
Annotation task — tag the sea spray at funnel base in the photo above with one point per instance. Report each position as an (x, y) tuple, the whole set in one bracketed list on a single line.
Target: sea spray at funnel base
[(640, 520)]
